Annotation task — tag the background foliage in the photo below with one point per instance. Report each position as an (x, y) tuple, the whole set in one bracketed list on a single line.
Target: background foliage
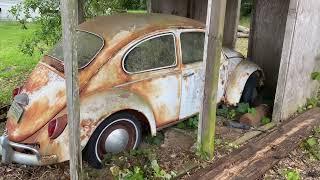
[(246, 7), (49, 20)]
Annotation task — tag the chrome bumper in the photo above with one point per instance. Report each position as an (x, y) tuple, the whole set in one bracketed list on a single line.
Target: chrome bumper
[(10, 155)]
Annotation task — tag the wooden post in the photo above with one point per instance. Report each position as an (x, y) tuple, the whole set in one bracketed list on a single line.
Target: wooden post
[(81, 14), (211, 57), (267, 39), (231, 23), (69, 15), (149, 6)]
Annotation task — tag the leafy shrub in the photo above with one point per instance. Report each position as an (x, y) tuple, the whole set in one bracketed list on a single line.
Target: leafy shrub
[(315, 76), (265, 120), (292, 174), (232, 113), (155, 140), (312, 146), (246, 7), (191, 123)]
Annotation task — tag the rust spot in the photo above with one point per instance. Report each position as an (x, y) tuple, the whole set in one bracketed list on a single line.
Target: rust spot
[(53, 63), (160, 115), (34, 110), (37, 79), (61, 94), (87, 126)]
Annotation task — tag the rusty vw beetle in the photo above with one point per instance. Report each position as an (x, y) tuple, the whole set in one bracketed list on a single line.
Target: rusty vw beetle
[(136, 72)]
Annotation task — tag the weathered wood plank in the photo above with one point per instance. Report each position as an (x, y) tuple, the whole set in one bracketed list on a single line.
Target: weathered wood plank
[(231, 23), (81, 13), (300, 57), (253, 160), (251, 134), (267, 35), (285, 59), (195, 9), (212, 53), (149, 6), (69, 15)]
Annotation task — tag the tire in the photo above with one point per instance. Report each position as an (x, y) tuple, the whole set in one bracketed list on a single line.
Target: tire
[(250, 92), (121, 126)]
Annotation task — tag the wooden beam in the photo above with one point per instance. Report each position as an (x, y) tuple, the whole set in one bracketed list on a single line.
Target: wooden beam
[(81, 13), (267, 39), (69, 15), (254, 159), (149, 6), (231, 23), (212, 53)]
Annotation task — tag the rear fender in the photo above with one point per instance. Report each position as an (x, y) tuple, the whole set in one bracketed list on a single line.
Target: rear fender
[(97, 107), (238, 79)]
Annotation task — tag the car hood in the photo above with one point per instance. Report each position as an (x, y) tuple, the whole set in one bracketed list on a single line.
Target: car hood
[(45, 90)]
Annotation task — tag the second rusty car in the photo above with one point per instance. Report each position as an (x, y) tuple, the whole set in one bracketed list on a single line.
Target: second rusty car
[(136, 72)]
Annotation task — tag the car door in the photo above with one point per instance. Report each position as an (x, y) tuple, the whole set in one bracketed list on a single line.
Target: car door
[(155, 76), (192, 43)]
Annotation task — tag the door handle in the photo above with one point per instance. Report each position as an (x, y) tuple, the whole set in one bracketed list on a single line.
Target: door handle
[(188, 74)]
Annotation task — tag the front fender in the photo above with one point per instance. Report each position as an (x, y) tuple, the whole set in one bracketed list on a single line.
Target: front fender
[(96, 107), (238, 79)]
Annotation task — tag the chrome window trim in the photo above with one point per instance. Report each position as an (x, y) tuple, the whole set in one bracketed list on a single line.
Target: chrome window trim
[(144, 40), (79, 68), (188, 31)]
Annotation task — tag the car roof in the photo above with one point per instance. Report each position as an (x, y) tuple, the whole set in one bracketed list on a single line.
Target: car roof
[(135, 24)]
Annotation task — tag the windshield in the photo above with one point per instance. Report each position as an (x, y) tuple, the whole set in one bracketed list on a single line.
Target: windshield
[(88, 45)]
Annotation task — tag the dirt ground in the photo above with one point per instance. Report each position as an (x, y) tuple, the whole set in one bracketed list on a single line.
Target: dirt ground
[(298, 160)]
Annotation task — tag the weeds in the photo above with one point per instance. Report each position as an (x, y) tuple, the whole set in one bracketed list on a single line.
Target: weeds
[(133, 165), (160, 173), (291, 174), (155, 140), (233, 113), (312, 145), (315, 76), (191, 123), (265, 120), (311, 103)]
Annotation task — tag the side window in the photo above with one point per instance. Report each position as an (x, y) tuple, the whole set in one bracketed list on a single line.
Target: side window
[(153, 53), (192, 44)]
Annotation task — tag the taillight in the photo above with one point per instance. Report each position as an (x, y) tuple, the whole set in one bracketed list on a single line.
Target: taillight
[(56, 126), (51, 127), (16, 91)]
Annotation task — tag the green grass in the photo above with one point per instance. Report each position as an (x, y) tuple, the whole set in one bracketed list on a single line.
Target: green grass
[(137, 11), (245, 21), (14, 65)]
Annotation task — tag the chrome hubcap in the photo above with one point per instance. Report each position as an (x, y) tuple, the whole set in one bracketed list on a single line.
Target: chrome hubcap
[(117, 141)]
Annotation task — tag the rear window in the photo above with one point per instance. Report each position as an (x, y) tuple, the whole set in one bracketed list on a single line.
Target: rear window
[(88, 46)]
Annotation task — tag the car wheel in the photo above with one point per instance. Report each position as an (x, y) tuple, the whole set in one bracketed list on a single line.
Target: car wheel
[(250, 93), (119, 132)]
